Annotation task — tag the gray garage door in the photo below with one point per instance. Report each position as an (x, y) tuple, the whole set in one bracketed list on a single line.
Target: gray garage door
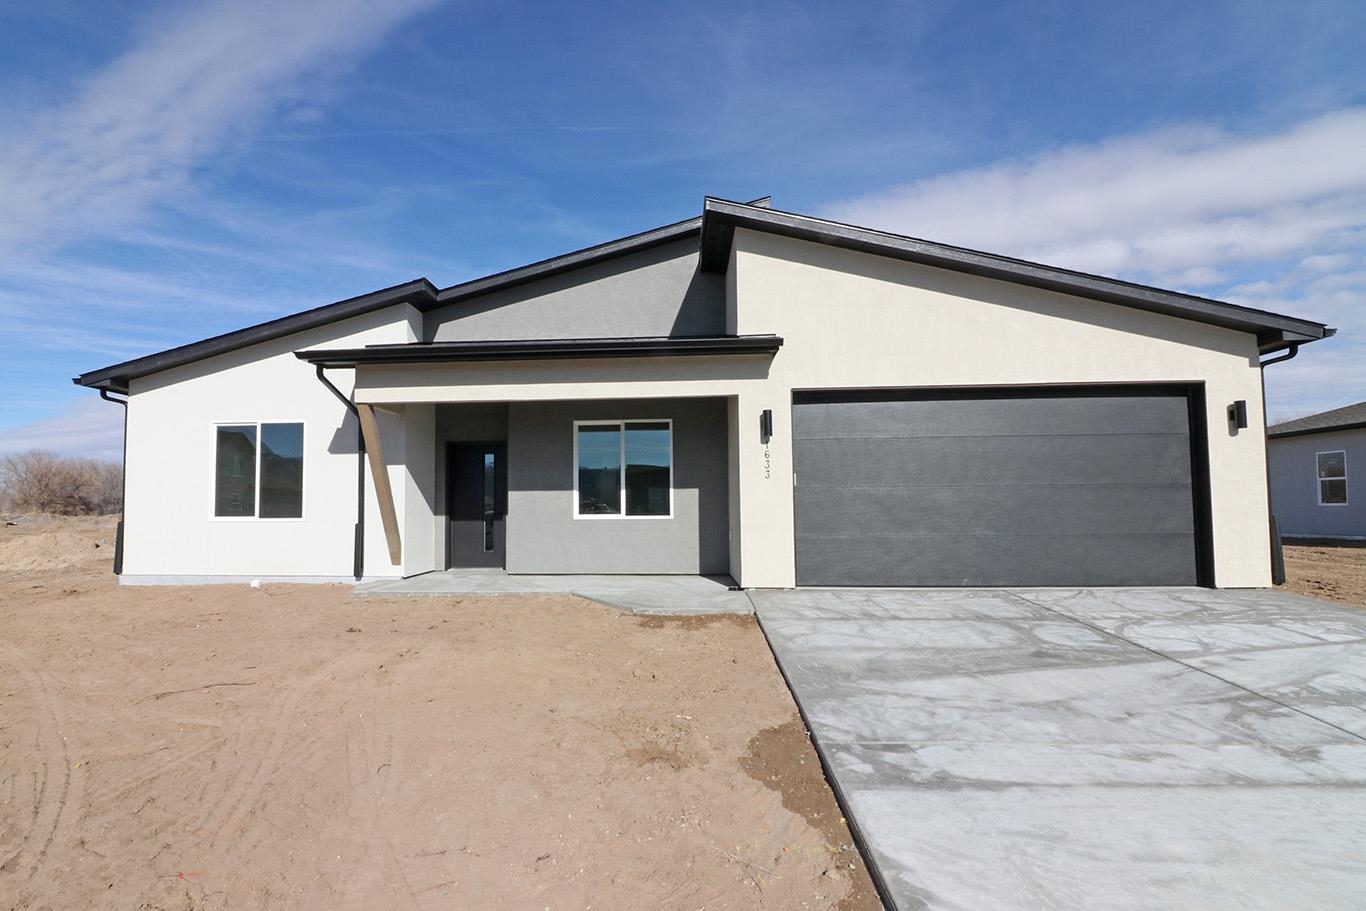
[(1031, 487)]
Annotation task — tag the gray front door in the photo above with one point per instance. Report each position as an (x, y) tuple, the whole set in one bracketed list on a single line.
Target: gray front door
[(1015, 487), (476, 504)]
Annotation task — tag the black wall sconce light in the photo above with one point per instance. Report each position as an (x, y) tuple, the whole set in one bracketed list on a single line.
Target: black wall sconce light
[(1237, 414), (766, 425)]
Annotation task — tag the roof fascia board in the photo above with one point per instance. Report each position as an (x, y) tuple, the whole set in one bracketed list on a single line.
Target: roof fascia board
[(578, 259), (542, 349), (722, 217), (117, 376), (587, 256)]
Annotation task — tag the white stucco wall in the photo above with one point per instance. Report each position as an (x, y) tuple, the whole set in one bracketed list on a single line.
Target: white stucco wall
[(170, 530), (849, 320), (852, 320)]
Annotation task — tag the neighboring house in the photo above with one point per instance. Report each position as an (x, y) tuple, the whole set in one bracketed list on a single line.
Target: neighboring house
[(1318, 474), (783, 399)]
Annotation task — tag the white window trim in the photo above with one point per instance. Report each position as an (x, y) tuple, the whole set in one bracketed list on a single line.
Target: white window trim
[(256, 506), (621, 424), (1318, 480)]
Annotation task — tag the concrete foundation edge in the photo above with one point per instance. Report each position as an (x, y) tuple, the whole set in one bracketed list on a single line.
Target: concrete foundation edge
[(246, 580)]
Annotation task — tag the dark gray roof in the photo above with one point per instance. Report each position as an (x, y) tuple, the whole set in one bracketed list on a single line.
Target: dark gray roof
[(716, 227), (721, 217), (1348, 417)]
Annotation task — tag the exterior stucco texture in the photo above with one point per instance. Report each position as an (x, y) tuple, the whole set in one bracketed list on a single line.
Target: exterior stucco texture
[(170, 531), (545, 536), (848, 320), (1295, 486), (651, 293)]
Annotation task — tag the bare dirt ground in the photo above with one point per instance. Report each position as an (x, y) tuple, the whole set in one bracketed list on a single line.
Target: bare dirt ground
[(1334, 571), (223, 747)]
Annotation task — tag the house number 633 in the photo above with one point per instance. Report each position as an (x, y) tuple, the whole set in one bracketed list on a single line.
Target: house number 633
[(768, 463)]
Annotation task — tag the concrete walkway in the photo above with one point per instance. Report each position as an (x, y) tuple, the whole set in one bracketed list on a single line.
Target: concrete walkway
[(1108, 749), (667, 595)]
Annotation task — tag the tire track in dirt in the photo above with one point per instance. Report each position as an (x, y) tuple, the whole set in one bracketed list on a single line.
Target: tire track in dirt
[(144, 775), (264, 749), (372, 772), (57, 787)]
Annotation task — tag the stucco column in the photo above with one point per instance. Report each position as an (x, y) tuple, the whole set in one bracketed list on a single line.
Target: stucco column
[(763, 480)]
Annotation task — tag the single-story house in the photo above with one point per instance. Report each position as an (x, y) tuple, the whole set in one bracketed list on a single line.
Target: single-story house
[(784, 399), (1318, 474)]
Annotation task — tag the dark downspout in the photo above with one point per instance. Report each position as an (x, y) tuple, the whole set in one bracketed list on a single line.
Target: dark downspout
[(123, 485), (358, 546), (1277, 554)]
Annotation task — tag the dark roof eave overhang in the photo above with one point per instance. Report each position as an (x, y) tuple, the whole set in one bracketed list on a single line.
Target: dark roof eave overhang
[(419, 292), (721, 217), (541, 349)]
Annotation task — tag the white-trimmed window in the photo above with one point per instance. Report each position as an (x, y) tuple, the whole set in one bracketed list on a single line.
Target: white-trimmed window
[(258, 471), (623, 469), (1332, 476)]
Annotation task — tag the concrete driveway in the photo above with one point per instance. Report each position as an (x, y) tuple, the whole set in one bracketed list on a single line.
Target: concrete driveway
[(1171, 748)]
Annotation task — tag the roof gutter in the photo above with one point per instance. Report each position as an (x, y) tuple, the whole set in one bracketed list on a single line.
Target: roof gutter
[(541, 349), (1294, 350)]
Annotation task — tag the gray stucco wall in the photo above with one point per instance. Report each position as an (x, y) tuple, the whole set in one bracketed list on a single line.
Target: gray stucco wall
[(1294, 485), (543, 535), (655, 292)]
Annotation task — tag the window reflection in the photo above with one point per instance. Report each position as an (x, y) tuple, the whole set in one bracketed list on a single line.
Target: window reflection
[(647, 468), (599, 469), (235, 477), (625, 468)]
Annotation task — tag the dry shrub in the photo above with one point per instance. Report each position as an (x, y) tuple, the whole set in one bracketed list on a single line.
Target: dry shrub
[(42, 481)]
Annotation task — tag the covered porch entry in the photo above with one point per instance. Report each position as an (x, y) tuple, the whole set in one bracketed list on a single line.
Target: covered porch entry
[(577, 487), (583, 457)]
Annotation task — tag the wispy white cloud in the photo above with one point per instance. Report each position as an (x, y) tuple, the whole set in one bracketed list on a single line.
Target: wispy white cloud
[(106, 248), (135, 132), (90, 428), (1155, 203), (1275, 221)]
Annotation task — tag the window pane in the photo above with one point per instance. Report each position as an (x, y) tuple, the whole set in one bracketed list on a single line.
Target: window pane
[(1332, 464), (599, 469), (647, 468), (234, 489), (490, 474), (282, 471), (1333, 491)]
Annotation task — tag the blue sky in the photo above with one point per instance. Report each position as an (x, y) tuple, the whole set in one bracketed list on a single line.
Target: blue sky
[(172, 171)]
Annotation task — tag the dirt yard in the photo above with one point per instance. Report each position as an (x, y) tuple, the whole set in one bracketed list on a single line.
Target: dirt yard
[(1334, 571), (223, 747)]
